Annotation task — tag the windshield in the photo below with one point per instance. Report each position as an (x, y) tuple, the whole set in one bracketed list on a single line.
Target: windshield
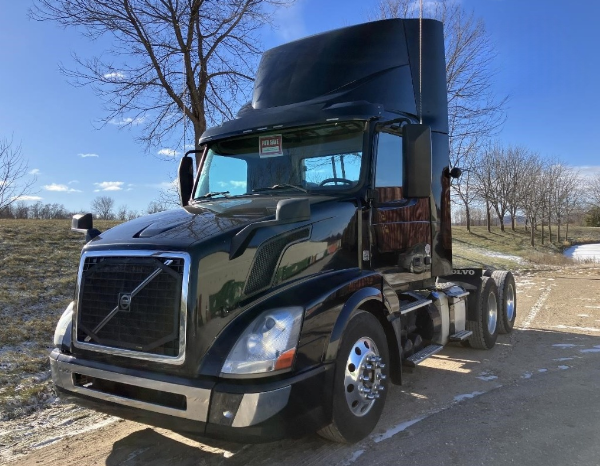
[(322, 158)]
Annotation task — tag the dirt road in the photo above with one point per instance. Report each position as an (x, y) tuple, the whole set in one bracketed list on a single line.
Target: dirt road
[(533, 399)]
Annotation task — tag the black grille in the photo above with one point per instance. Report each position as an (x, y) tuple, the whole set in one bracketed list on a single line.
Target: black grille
[(145, 316), (267, 258)]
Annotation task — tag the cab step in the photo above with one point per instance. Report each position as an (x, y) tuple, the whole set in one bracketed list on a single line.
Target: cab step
[(425, 353), (460, 336), (414, 305)]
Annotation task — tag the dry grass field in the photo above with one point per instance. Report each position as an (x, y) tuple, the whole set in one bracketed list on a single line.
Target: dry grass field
[(39, 261)]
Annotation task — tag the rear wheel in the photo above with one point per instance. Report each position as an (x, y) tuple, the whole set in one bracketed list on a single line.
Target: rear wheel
[(507, 300), (360, 384), (485, 328)]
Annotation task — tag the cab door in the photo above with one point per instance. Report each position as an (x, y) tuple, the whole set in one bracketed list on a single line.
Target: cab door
[(400, 227)]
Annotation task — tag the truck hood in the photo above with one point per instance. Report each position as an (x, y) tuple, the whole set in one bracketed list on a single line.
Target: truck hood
[(183, 227)]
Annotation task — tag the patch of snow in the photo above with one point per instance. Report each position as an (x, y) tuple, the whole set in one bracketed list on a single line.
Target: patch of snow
[(583, 315), (564, 368), (396, 429), (467, 396), (487, 378), (526, 375), (354, 457), (542, 370), (536, 307), (595, 349), (565, 345), (584, 252), (562, 359)]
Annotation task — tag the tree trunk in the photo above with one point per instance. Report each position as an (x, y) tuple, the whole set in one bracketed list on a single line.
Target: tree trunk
[(567, 232), (468, 214), (542, 230), (512, 222), (199, 128), (558, 230), (532, 233), (489, 217)]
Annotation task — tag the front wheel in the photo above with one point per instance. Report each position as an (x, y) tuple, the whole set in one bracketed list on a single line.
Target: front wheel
[(360, 384)]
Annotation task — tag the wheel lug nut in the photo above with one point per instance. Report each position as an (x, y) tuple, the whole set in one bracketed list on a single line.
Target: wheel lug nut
[(368, 367), (365, 378), (380, 365), (381, 377)]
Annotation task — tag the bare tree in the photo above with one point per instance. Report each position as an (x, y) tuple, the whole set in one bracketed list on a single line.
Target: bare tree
[(533, 192), (474, 110), (102, 206), (593, 188), (14, 182), (156, 206), (565, 197), (122, 213), (172, 61)]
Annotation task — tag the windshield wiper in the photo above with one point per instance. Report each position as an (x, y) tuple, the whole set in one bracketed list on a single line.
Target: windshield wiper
[(280, 186), (211, 195)]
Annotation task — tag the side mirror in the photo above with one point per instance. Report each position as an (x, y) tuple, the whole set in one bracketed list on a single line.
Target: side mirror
[(185, 176), (416, 146), (84, 223)]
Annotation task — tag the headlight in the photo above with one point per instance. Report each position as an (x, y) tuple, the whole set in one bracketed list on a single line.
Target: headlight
[(268, 344), (62, 334)]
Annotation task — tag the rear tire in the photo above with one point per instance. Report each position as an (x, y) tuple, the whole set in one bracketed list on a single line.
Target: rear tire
[(485, 328), (357, 371), (507, 300)]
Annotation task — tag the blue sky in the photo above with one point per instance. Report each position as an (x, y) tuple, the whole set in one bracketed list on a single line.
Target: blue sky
[(548, 64)]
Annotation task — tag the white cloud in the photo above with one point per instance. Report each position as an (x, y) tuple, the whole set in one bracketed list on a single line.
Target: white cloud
[(168, 152), (89, 154), (289, 23), (115, 75), (61, 188), (588, 171), (73, 182), (27, 198), (127, 121), (238, 184), (109, 186), (35, 171)]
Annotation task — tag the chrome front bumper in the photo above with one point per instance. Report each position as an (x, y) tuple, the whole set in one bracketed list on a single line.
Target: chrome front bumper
[(248, 409)]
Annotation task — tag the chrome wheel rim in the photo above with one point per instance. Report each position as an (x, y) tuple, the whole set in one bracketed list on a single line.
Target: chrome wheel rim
[(492, 311), (363, 377), (510, 303)]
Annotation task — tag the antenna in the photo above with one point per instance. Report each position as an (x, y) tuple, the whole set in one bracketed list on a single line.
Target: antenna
[(421, 62)]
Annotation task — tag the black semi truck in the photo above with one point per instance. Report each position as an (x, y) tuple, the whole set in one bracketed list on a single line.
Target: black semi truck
[(310, 261)]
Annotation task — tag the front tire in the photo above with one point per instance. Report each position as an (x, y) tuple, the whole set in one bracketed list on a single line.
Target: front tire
[(360, 384), (507, 300), (485, 328)]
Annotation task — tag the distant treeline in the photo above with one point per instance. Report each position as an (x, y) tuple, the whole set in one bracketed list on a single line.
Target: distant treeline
[(38, 210)]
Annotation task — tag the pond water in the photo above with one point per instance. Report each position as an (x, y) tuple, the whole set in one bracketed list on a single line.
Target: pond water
[(584, 252)]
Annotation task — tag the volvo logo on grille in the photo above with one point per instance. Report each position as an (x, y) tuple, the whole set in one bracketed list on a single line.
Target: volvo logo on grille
[(124, 301)]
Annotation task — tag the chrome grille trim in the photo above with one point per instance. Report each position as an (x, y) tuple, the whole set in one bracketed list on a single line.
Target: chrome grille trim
[(175, 360)]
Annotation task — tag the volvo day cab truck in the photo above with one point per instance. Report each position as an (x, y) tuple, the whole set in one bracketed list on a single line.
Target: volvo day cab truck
[(310, 261)]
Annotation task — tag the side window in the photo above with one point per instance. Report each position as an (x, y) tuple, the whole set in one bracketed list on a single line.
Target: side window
[(388, 169)]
